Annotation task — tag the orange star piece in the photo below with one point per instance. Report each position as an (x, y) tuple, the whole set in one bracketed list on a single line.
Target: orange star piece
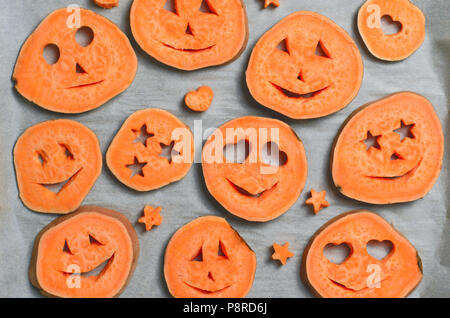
[(317, 200), (151, 217), (282, 253), (267, 3)]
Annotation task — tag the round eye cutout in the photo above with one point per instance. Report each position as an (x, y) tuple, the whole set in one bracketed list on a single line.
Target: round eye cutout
[(359, 273), (91, 253), (207, 258), (190, 34), (93, 62), (152, 149), (57, 163), (306, 66), (389, 151), (262, 170), (397, 45)]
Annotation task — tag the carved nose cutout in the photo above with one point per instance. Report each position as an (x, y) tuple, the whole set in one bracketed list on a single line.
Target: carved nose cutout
[(79, 69), (84, 36), (337, 254), (379, 250), (51, 54), (272, 155), (188, 30), (237, 152), (389, 26)]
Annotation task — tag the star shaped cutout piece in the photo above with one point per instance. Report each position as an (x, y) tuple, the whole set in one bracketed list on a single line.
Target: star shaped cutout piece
[(151, 217), (267, 3), (282, 253), (317, 200)]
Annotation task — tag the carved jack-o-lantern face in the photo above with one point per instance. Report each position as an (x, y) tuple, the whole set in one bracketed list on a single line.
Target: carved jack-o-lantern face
[(88, 253), (57, 163), (359, 274), (193, 33), (390, 151), (152, 149), (208, 258), (267, 179), (83, 74), (306, 66)]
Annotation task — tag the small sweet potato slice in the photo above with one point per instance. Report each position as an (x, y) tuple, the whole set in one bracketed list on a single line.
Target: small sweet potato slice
[(207, 258), (360, 275), (68, 250)]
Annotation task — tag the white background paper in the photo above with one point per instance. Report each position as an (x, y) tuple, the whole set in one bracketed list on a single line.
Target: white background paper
[(424, 222)]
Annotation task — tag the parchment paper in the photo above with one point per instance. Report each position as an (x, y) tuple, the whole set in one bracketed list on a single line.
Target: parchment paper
[(426, 222)]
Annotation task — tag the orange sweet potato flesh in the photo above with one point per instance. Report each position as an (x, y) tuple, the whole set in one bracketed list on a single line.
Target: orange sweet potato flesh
[(399, 168), (318, 72), (107, 4), (391, 47), (85, 239), (255, 190), (207, 258), (190, 38), (200, 99), (108, 64), (398, 273), (161, 131), (55, 152)]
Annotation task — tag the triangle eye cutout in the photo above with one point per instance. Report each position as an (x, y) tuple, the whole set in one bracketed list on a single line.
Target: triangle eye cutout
[(321, 50), (93, 241), (222, 251), (66, 248), (170, 6), (206, 7), (283, 46), (199, 256)]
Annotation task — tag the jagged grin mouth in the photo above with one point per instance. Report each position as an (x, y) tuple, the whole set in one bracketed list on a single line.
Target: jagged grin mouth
[(246, 193)]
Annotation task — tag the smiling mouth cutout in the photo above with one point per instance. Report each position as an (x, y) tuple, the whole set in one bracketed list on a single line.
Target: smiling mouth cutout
[(85, 85), (57, 187), (336, 283), (405, 175), (246, 193), (188, 50), (96, 272), (205, 291), (291, 94)]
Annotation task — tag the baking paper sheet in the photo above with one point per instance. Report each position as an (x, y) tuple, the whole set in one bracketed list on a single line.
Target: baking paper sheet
[(426, 222)]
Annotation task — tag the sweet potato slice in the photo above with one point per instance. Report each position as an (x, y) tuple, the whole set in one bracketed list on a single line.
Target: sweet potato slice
[(269, 176), (107, 4), (389, 151), (391, 47), (85, 74), (69, 250), (361, 275), (306, 66), (57, 163), (207, 258), (192, 35), (152, 149)]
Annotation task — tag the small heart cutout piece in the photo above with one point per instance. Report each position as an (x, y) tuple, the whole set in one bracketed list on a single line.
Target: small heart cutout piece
[(337, 254), (199, 100)]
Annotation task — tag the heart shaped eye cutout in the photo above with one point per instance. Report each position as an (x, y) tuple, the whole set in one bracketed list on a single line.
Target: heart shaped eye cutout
[(272, 155), (379, 250), (51, 54), (337, 254), (84, 36), (390, 26), (237, 152)]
